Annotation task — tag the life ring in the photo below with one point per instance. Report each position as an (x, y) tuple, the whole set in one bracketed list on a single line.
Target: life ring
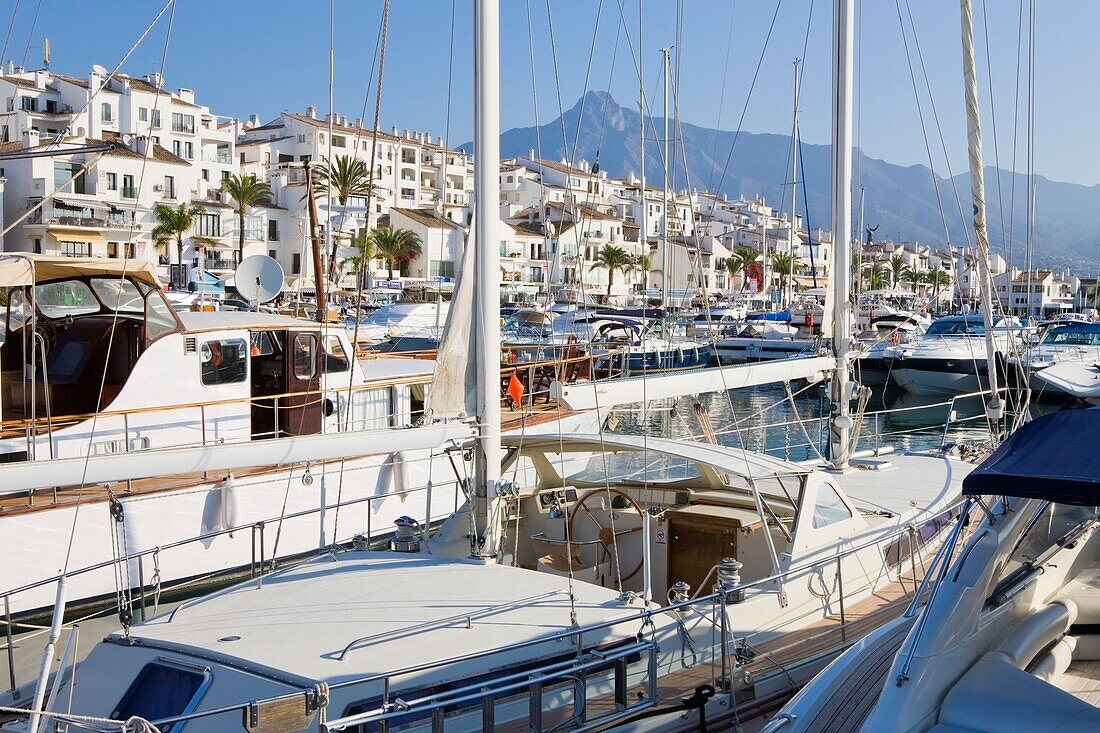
[(894, 338)]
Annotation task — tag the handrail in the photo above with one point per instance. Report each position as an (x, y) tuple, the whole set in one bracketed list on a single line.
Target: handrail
[(644, 615)]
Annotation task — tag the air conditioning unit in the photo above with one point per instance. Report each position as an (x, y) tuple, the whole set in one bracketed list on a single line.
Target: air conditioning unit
[(158, 187)]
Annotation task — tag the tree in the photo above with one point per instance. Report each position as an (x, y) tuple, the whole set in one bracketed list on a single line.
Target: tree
[(734, 266), (875, 276), (914, 277), (611, 258), (360, 262), (645, 264), (938, 278), (343, 178), (783, 265), (395, 246), (246, 191), (896, 268), (173, 223)]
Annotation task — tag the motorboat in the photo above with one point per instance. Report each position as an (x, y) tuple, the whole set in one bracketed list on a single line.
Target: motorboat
[(763, 337), (875, 304), (1061, 341), (1008, 637), (950, 358), (883, 333), (402, 326)]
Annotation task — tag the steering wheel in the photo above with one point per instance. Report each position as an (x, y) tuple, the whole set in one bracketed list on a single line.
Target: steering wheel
[(607, 536)]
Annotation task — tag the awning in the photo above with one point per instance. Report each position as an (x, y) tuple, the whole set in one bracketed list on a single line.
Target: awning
[(80, 203), (81, 236), (26, 269), (1053, 457)]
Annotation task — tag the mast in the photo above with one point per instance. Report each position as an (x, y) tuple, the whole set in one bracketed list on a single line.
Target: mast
[(486, 243), (666, 259), (315, 248), (641, 156), (994, 409), (792, 233), (328, 189), (840, 422)]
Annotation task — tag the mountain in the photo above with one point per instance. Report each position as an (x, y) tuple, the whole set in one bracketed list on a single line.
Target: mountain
[(900, 200)]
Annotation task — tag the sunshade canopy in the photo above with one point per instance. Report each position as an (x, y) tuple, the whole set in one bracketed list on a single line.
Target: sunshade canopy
[(19, 269)]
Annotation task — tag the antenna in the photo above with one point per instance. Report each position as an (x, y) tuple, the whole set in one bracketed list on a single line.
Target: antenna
[(46, 53), (259, 279)]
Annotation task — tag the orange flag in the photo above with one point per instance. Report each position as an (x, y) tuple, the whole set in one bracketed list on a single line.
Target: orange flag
[(515, 391)]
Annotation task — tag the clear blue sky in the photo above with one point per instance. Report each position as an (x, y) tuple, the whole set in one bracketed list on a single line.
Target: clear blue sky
[(266, 57)]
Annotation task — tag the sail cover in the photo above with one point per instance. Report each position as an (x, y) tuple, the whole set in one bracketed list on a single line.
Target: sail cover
[(1053, 457), (451, 394)]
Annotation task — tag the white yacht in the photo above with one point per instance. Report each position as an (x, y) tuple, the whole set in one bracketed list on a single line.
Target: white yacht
[(402, 326), (951, 356), (874, 304), (1009, 637), (1062, 341), (871, 367)]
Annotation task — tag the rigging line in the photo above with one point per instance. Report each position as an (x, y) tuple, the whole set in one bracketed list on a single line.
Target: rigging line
[(1015, 144), (923, 126), (11, 26), (114, 71), (722, 92), (1031, 149), (748, 97), (857, 179), (993, 120), (936, 118), (111, 338), (30, 35)]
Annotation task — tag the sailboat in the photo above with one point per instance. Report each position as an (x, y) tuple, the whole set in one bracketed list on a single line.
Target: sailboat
[(588, 578)]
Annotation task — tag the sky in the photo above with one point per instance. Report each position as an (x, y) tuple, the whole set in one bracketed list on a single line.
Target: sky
[(268, 57)]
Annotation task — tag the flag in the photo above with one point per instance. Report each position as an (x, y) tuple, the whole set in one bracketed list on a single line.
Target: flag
[(515, 391)]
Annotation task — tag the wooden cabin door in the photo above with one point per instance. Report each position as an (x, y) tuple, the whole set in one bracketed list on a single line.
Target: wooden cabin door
[(696, 544), (301, 412)]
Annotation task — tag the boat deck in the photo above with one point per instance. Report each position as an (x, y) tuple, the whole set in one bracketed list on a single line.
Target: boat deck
[(1082, 680)]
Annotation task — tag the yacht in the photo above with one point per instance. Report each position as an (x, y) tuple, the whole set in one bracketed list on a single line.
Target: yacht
[(628, 570), (1062, 341), (1008, 638), (875, 304), (402, 326), (950, 358), (883, 333)]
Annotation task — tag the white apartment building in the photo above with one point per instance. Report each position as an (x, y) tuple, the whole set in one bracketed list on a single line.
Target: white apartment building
[(1043, 294)]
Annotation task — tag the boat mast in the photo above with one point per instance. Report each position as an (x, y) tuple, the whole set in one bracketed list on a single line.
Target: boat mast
[(792, 233), (840, 422), (315, 248), (994, 409), (666, 260), (486, 243)]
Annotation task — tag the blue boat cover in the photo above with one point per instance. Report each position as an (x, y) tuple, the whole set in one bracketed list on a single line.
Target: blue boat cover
[(1053, 457), (783, 316)]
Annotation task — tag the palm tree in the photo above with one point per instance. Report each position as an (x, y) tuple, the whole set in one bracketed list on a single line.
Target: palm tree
[(611, 258), (173, 224), (395, 246), (734, 266), (345, 177), (914, 277), (782, 264), (897, 268), (246, 191), (360, 262), (937, 278), (645, 264), (876, 277)]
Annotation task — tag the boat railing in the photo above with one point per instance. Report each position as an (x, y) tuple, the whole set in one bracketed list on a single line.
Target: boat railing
[(615, 672)]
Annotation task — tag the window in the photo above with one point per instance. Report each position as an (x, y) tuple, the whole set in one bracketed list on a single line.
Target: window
[(62, 172), (208, 225), (65, 298), (176, 147), (296, 264), (339, 141), (225, 175), (301, 139), (223, 361), (143, 114), (272, 231), (183, 123), (105, 112), (441, 268), (189, 151), (169, 187), (128, 190), (304, 355), (28, 104), (829, 507), (75, 249), (206, 174), (160, 319), (156, 118), (335, 358), (118, 294), (112, 181), (38, 246), (163, 690)]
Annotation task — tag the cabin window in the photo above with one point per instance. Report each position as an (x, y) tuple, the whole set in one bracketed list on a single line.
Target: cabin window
[(120, 295), (305, 363), (335, 358), (223, 361), (829, 507), (159, 318), (65, 298), (163, 691)]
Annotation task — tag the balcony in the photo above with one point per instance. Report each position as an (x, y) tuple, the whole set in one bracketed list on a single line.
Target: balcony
[(223, 158), (129, 192)]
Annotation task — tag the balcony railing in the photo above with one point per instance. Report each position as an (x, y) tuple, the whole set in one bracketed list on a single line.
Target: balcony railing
[(129, 192), (223, 158)]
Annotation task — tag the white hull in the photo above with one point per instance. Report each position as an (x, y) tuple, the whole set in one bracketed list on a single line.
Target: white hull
[(933, 383), (34, 543)]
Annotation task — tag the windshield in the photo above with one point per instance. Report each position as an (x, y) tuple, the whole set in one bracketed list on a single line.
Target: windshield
[(65, 298), (957, 327), (117, 294), (1073, 336)]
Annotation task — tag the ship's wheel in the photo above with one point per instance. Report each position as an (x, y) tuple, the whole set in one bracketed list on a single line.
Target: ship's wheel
[(608, 523)]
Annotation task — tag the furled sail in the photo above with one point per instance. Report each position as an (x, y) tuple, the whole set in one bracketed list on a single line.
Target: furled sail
[(452, 394)]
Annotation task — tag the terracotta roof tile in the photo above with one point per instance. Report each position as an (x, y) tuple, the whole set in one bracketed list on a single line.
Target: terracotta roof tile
[(426, 217)]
